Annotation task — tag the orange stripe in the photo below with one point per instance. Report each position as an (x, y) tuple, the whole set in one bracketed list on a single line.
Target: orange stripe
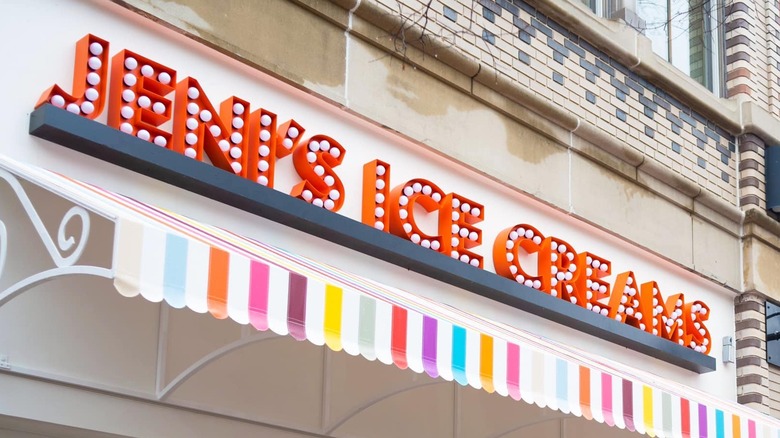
[(585, 392), (486, 362), (219, 262), (736, 427)]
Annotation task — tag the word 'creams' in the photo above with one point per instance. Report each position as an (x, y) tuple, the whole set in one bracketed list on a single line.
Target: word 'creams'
[(146, 100)]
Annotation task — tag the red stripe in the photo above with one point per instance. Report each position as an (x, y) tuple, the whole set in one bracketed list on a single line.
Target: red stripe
[(398, 341), (685, 418)]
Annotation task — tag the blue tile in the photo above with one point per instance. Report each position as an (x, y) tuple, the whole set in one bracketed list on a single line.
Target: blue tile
[(488, 36), (450, 14)]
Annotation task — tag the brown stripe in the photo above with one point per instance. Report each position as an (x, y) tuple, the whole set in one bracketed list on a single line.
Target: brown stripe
[(296, 306), (749, 200), (750, 379), (750, 181), (736, 24), (750, 146), (747, 361), (748, 343), (740, 89), (738, 56), (748, 163), (737, 7), (750, 398), (737, 40), (748, 306), (753, 138), (747, 324), (741, 72), (628, 404)]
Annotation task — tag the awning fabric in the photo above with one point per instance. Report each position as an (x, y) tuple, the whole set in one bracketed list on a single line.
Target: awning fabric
[(164, 256)]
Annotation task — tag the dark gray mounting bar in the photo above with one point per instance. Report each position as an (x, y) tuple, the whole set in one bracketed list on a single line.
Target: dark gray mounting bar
[(100, 141)]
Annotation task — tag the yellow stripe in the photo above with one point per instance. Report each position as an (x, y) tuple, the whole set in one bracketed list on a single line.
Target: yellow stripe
[(333, 298), (486, 362), (647, 396)]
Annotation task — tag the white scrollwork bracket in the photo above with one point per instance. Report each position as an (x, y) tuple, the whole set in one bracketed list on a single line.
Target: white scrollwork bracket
[(65, 264)]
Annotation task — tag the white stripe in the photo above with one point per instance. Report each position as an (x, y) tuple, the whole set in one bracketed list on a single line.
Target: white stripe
[(658, 412), (574, 388), (315, 311), (473, 355), (350, 322), (152, 264), (693, 409), (617, 402), (238, 289), (711, 421), (278, 298), (526, 375), (676, 418), (414, 337), (595, 395), (444, 349), (196, 289), (550, 381), (499, 366), (384, 332), (639, 406)]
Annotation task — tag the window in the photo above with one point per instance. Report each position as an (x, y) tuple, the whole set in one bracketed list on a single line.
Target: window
[(772, 333), (684, 32)]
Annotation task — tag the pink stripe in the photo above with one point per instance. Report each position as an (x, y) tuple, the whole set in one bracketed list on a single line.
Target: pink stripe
[(513, 370), (606, 398), (258, 295), (751, 429)]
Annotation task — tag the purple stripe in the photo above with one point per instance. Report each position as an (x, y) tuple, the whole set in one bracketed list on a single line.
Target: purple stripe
[(702, 421), (628, 404), (296, 307), (430, 327)]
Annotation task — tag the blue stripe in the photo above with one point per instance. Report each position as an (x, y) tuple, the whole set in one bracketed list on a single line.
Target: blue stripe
[(561, 380), (459, 355), (719, 426), (175, 275)]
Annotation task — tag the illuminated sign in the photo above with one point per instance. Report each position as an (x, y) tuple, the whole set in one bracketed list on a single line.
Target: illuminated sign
[(145, 99)]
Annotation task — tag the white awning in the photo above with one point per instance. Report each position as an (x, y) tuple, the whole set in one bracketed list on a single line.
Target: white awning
[(163, 256)]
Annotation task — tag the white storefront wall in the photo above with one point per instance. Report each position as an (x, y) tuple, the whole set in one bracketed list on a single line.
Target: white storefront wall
[(39, 45)]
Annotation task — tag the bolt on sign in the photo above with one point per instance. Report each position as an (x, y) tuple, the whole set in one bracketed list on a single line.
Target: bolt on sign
[(144, 97)]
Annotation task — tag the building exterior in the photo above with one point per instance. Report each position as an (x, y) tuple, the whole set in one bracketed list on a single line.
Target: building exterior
[(463, 147)]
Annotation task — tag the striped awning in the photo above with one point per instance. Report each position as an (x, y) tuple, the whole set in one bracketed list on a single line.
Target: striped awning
[(163, 256)]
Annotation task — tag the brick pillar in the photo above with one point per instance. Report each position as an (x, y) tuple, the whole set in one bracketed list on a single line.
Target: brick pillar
[(753, 375), (752, 176), (741, 41)]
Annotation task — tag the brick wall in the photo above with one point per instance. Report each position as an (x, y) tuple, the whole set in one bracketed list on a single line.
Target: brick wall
[(752, 183), (541, 55), (758, 383), (753, 52)]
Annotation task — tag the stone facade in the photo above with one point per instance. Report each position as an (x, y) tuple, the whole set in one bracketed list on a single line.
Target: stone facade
[(553, 101)]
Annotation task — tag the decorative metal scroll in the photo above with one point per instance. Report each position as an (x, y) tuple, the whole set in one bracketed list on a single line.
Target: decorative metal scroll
[(64, 253)]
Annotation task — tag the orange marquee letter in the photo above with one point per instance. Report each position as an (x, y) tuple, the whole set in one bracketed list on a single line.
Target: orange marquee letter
[(314, 161), (137, 104), (90, 80), (507, 255)]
